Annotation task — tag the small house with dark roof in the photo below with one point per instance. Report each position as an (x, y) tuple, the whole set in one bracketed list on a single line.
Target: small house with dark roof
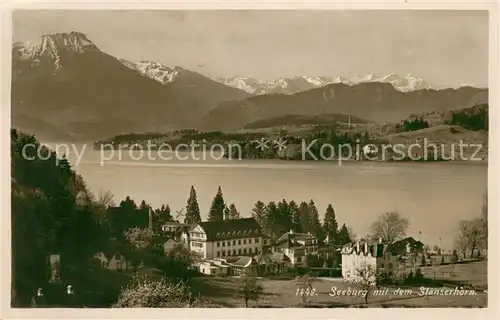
[(226, 238), (356, 256), (408, 246)]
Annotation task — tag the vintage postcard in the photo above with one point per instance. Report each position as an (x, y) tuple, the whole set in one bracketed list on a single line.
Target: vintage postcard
[(239, 157)]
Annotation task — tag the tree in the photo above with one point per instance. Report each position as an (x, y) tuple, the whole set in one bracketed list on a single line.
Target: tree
[(216, 212), (330, 225), (304, 217), (295, 212), (249, 289), (484, 219), (145, 293), (103, 202), (226, 213), (192, 209), (177, 263), (470, 236), (233, 212), (389, 227), (162, 216), (366, 279), (259, 213), (272, 219), (343, 236), (304, 286), (140, 238), (314, 223)]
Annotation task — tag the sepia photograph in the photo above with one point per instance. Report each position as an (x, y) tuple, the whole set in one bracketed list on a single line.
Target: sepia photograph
[(249, 158)]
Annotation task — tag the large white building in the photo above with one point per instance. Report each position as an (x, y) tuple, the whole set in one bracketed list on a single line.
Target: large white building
[(359, 255), (226, 238)]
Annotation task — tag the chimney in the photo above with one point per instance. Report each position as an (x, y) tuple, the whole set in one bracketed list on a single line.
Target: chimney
[(291, 231), (379, 240), (357, 246), (366, 247)]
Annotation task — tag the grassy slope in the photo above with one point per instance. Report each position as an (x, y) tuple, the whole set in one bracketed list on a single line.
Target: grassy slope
[(281, 293)]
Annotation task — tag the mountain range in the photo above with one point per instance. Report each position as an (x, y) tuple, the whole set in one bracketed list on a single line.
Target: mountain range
[(66, 81), (64, 85), (293, 85)]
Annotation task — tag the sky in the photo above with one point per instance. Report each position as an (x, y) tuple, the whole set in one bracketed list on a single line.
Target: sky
[(446, 48)]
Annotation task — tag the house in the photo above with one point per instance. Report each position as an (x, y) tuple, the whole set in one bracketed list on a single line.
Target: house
[(272, 263), (214, 267), (174, 227), (226, 238), (408, 246), (296, 246), (356, 256), (244, 266), (113, 260)]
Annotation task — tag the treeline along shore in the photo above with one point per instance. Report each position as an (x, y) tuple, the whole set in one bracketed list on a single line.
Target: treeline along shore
[(460, 135)]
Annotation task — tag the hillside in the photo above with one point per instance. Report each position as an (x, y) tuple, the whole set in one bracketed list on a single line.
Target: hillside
[(65, 79), (378, 102)]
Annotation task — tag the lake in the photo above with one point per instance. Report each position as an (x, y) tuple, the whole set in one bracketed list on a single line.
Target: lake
[(433, 196)]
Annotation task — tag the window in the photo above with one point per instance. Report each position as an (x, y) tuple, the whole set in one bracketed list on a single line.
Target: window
[(218, 253), (239, 241), (223, 253), (234, 242), (228, 252), (249, 241), (244, 250), (228, 243), (256, 240), (234, 252), (298, 259), (218, 244), (265, 241), (223, 243), (239, 251), (244, 241), (382, 265)]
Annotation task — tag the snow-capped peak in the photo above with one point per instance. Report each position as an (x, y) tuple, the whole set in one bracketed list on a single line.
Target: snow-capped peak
[(55, 46), (155, 70), (406, 83)]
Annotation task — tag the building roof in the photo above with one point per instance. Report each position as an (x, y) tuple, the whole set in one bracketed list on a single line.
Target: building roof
[(296, 236), (231, 229), (414, 245), (288, 244), (244, 262)]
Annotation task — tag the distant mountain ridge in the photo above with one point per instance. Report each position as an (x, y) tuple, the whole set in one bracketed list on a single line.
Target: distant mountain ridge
[(297, 84), (374, 101)]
